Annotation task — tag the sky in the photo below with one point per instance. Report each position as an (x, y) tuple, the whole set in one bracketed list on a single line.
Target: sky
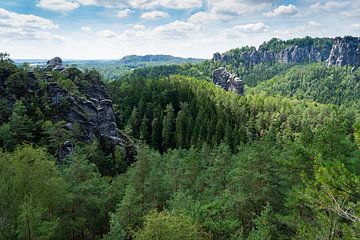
[(111, 29)]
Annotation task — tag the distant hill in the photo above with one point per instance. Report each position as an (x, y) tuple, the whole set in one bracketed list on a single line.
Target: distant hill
[(156, 59), (111, 69)]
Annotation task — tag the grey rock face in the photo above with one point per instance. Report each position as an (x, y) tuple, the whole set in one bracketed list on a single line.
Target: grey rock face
[(56, 93), (93, 114), (217, 57), (95, 121), (106, 119), (345, 51), (54, 64), (228, 81), (32, 85)]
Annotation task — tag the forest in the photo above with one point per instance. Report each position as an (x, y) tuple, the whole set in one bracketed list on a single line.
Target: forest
[(281, 162)]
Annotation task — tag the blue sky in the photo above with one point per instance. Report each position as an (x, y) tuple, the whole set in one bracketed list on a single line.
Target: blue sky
[(110, 29)]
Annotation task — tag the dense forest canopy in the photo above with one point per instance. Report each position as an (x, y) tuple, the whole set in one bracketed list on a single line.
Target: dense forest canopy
[(281, 162)]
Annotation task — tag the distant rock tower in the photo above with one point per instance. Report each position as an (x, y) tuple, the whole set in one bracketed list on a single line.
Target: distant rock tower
[(228, 81), (54, 64), (217, 57)]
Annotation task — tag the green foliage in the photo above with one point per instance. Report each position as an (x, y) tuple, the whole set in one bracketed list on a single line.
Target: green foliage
[(218, 165), (31, 189), (168, 127), (264, 226), (68, 85), (204, 113), (87, 199), (17, 83), (7, 137), (21, 124), (317, 82), (276, 44), (168, 226)]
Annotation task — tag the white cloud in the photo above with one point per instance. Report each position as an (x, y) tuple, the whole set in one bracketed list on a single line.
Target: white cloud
[(206, 17), (175, 29), (250, 28), (329, 6), (237, 7), (313, 24), (139, 27), (86, 29), (171, 4), (58, 5), (144, 4), (131, 34), (124, 13), (15, 20), (283, 10), (154, 15), (355, 25), (224, 10), (106, 34), (26, 27)]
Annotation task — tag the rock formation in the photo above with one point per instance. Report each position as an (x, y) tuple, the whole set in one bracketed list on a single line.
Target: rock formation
[(54, 64), (217, 57), (345, 51), (94, 115), (228, 81), (339, 51)]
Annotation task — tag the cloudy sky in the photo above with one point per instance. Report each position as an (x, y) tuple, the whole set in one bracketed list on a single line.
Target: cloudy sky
[(110, 29)]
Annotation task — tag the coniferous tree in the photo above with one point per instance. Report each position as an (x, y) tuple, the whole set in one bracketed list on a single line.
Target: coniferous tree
[(168, 127)]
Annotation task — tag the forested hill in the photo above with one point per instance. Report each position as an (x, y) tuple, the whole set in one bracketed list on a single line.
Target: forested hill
[(317, 82), (163, 153), (164, 59)]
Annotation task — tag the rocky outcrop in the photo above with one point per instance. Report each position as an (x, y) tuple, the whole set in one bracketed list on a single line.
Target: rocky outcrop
[(345, 51), (57, 94), (94, 115), (339, 51), (217, 57), (228, 81), (54, 64)]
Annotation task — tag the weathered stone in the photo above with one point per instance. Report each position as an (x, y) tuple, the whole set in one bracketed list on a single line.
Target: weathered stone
[(217, 57), (54, 64), (32, 84), (342, 51), (106, 119), (228, 81), (345, 51), (57, 94)]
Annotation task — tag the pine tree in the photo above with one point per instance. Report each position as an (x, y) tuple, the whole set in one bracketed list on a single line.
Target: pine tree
[(181, 126), (133, 124), (21, 125), (156, 139), (168, 127), (144, 129)]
